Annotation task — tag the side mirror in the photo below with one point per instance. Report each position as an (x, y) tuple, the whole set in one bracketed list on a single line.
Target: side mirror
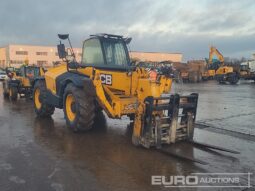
[(127, 40), (63, 36), (61, 51)]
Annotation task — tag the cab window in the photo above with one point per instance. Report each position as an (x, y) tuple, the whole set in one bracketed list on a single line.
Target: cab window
[(115, 53), (92, 53)]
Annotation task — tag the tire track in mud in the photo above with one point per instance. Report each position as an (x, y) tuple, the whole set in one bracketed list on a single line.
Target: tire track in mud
[(207, 123), (228, 117), (247, 136)]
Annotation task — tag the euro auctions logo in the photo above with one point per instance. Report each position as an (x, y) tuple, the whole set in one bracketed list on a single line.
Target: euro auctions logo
[(206, 180), (174, 181)]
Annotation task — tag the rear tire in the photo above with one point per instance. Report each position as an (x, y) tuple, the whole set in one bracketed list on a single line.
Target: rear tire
[(79, 108), (42, 108), (13, 93)]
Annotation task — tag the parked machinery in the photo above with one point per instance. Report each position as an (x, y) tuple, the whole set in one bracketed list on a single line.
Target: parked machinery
[(210, 70), (192, 71), (247, 70), (20, 81), (105, 80), (225, 73)]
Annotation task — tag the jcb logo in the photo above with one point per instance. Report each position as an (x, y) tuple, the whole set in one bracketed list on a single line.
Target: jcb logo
[(106, 79)]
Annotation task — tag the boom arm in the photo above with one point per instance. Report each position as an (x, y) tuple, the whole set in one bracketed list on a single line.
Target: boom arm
[(214, 51)]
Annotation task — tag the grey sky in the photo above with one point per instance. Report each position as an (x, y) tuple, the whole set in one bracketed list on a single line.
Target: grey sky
[(189, 26)]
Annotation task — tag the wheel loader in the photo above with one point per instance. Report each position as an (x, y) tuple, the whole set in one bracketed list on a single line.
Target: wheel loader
[(20, 81), (105, 80)]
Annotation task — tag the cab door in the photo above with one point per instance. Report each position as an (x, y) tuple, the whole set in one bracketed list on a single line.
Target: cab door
[(110, 56)]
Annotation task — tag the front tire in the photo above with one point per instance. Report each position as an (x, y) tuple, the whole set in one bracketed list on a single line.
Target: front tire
[(13, 93), (42, 108), (79, 108), (5, 90)]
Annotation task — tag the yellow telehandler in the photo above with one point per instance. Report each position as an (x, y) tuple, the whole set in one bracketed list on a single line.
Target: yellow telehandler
[(106, 80), (20, 81)]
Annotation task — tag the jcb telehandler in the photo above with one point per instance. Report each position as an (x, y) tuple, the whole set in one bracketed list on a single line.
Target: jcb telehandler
[(20, 81), (106, 80)]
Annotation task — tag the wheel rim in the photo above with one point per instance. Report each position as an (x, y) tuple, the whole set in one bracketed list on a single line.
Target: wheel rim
[(70, 103), (38, 103)]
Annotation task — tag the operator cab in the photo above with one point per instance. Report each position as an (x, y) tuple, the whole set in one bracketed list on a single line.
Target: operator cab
[(106, 51), (29, 71), (244, 66)]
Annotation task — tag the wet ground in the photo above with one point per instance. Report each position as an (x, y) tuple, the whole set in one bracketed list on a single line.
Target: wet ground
[(42, 154)]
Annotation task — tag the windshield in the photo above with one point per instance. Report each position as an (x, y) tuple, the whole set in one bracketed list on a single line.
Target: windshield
[(32, 72), (107, 53), (115, 53), (92, 53), (244, 67)]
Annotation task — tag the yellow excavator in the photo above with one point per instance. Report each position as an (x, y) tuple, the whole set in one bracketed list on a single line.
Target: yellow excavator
[(212, 64), (106, 80), (223, 73)]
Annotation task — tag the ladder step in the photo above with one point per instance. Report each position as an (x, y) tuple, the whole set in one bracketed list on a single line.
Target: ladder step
[(182, 126), (164, 125), (166, 117), (181, 135)]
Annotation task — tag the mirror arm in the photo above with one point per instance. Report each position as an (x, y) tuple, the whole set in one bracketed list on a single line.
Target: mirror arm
[(72, 49)]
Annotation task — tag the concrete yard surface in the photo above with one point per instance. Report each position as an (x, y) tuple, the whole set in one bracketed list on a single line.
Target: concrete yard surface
[(43, 154)]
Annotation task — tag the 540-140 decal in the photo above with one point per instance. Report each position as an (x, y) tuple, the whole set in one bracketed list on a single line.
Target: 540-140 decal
[(106, 79)]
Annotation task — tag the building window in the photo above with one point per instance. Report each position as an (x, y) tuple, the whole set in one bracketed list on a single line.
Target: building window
[(17, 62), (21, 52), (41, 62), (41, 53)]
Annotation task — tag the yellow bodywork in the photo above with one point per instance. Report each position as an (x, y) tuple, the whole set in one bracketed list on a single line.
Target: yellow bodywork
[(25, 81), (215, 51), (52, 74), (224, 70), (123, 95), (126, 91), (208, 74), (211, 73)]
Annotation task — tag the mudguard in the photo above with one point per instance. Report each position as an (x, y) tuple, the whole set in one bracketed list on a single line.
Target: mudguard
[(36, 79), (80, 81)]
